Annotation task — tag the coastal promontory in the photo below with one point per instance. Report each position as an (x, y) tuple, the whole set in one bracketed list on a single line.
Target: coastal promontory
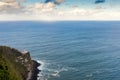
[(17, 65)]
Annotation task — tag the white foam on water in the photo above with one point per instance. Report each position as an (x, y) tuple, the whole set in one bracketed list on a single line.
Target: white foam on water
[(40, 75), (47, 72), (41, 66), (89, 75), (56, 73)]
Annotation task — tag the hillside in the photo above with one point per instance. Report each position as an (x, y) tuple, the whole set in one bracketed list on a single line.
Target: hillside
[(16, 65)]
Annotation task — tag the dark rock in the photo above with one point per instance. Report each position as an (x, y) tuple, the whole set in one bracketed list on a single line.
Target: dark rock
[(35, 70)]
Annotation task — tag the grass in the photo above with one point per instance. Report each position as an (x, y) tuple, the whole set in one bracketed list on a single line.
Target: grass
[(9, 68)]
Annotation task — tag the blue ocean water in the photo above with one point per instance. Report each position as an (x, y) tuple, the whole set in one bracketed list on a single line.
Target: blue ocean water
[(68, 50)]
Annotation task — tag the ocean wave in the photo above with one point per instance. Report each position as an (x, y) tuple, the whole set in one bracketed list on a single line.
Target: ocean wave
[(42, 64), (40, 74), (55, 74), (89, 75), (49, 69)]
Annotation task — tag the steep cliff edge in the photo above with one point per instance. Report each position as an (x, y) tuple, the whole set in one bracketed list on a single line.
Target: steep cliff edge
[(16, 65)]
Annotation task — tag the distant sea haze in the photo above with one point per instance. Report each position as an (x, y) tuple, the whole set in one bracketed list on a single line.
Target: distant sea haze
[(68, 50)]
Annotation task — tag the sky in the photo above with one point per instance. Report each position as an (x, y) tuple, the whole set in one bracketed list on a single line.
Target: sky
[(51, 10)]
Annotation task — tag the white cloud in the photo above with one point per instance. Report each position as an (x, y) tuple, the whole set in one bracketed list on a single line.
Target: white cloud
[(40, 7), (9, 5), (75, 14), (48, 11), (59, 1)]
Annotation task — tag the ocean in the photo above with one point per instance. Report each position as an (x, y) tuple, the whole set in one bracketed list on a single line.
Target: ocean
[(68, 50)]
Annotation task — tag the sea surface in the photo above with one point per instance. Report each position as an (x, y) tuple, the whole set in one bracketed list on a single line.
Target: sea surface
[(68, 50)]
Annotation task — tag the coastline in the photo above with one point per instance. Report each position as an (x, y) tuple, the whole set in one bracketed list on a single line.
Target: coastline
[(40, 68), (32, 67), (35, 70)]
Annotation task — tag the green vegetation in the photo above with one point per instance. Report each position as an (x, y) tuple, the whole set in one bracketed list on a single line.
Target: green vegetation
[(10, 69)]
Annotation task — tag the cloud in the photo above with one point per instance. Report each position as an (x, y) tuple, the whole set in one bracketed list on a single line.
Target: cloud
[(59, 1), (55, 1), (6, 5), (73, 14), (40, 7), (16, 6), (99, 1), (49, 1), (11, 5), (49, 11)]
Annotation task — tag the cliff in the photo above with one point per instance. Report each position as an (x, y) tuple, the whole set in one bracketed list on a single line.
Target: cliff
[(16, 65)]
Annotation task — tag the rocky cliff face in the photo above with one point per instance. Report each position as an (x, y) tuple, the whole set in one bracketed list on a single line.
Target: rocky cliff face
[(16, 65)]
